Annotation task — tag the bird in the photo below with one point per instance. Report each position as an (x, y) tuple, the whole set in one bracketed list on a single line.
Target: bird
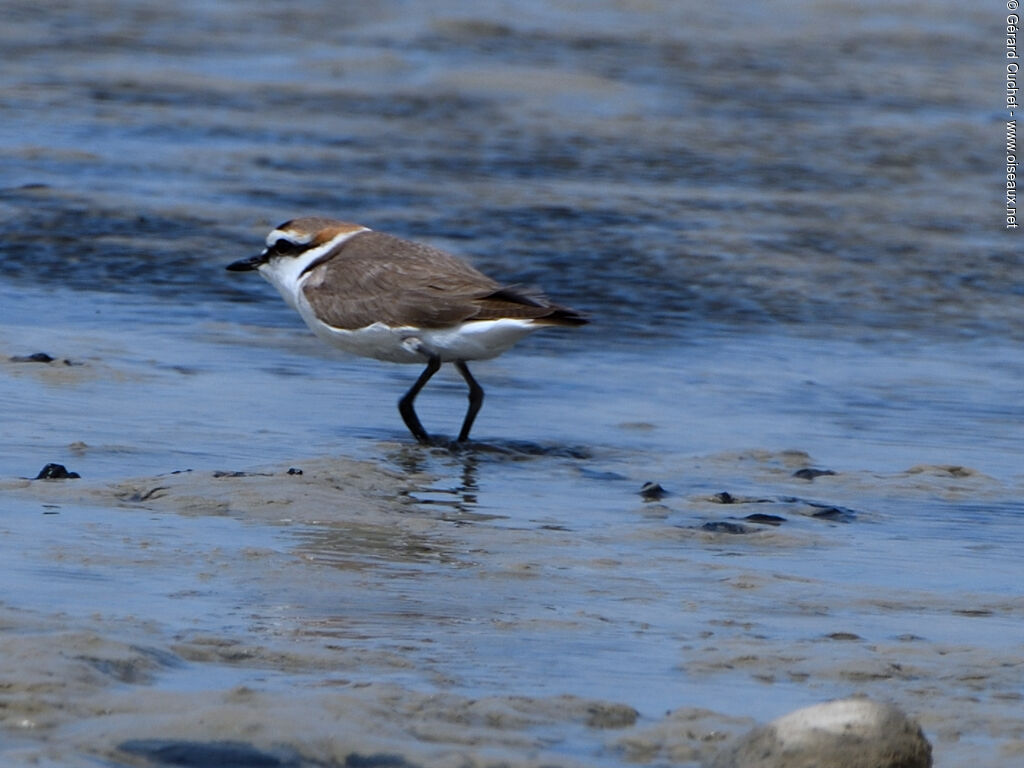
[(384, 297)]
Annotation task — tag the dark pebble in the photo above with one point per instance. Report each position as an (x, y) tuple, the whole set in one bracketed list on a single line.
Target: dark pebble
[(652, 492), (723, 526), (809, 473), (760, 517), (38, 357), (835, 514), (56, 472), (724, 497), (294, 471), (823, 511)]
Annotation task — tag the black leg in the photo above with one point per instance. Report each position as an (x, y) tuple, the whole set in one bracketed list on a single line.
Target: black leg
[(476, 399), (405, 404)]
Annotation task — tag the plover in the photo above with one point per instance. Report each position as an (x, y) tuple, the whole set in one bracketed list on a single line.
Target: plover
[(381, 296)]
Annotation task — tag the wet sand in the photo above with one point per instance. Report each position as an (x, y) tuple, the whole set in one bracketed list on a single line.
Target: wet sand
[(392, 626)]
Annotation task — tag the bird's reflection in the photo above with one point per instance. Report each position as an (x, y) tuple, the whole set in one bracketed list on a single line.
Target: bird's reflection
[(451, 471), (444, 462)]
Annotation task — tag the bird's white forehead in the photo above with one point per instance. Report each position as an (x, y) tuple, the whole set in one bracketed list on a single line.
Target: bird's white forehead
[(287, 234), (312, 231)]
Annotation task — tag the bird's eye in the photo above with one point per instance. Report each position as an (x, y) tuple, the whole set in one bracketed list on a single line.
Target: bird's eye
[(285, 248)]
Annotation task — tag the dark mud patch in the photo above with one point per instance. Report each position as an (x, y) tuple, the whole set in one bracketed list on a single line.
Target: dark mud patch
[(218, 754)]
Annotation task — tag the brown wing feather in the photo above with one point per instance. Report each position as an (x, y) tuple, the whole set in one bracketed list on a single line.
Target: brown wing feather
[(374, 277), (518, 302)]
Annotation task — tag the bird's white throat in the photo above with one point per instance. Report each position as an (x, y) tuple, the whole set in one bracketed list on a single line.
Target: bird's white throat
[(286, 272)]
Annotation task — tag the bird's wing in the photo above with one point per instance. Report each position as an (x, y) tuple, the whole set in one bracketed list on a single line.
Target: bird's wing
[(374, 277)]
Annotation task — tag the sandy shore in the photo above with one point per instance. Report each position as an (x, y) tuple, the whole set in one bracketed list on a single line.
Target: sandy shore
[(291, 681)]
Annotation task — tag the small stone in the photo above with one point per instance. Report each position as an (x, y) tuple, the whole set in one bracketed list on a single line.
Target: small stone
[(764, 519), (652, 491), (723, 497), (835, 514), (294, 471), (724, 526), (56, 472), (38, 357), (809, 473)]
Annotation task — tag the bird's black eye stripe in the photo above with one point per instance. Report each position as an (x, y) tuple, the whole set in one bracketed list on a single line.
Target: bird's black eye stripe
[(285, 248)]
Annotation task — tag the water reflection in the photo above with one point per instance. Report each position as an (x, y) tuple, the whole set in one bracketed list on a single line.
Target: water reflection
[(443, 484), (441, 460), (454, 470)]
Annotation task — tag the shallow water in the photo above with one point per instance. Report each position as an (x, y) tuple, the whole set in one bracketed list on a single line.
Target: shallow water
[(787, 244)]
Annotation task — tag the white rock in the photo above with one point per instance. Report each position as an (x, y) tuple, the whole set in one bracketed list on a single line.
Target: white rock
[(846, 733)]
